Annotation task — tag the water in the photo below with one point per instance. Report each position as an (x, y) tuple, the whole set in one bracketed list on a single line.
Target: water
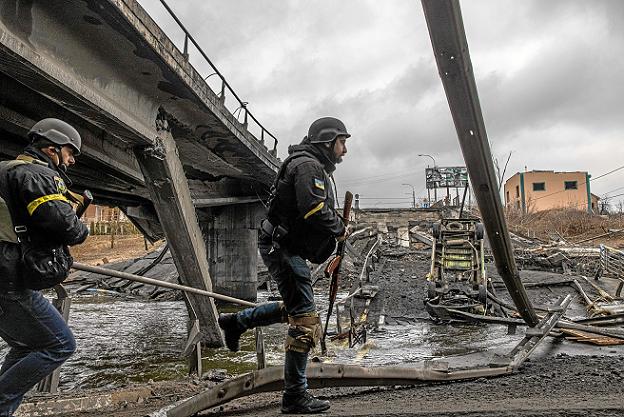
[(121, 341)]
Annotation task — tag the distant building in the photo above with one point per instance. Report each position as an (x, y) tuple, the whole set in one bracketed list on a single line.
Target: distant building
[(542, 190), (95, 213)]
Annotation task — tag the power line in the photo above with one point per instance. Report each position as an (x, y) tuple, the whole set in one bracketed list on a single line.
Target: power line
[(385, 198), (607, 173), (617, 195), (610, 191), (380, 177)]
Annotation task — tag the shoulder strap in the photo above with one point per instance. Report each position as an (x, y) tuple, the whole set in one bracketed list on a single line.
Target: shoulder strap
[(271, 214), (7, 226), (282, 169)]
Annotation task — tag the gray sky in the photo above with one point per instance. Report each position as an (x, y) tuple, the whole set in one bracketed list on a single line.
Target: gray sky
[(548, 75)]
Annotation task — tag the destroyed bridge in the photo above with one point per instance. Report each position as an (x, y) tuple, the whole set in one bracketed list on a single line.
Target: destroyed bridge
[(178, 151), (181, 160)]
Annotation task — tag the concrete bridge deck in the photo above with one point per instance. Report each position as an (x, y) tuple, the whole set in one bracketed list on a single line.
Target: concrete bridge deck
[(158, 142)]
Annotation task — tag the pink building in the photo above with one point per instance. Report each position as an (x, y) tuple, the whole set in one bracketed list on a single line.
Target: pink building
[(542, 190)]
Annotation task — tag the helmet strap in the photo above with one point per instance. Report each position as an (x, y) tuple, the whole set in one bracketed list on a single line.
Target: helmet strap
[(61, 168)]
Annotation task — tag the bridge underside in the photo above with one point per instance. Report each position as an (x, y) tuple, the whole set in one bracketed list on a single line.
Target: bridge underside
[(157, 141)]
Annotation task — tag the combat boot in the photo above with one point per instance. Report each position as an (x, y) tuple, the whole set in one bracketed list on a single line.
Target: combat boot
[(232, 330), (303, 404)]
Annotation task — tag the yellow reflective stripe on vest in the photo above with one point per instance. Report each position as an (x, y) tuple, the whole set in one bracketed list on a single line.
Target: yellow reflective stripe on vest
[(32, 206), (314, 210)]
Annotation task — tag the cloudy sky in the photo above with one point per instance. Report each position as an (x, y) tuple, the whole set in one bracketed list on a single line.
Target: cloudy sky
[(549, 75)]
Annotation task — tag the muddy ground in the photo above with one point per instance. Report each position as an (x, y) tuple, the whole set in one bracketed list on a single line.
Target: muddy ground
[(557, 386), (97, 250), (588, 383)]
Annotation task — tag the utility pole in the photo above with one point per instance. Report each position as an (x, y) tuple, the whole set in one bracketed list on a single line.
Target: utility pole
[(413, 195), (435, 190)]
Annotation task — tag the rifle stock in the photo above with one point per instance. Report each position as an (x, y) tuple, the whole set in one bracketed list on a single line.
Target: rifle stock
[(333, 268), (332, 265), (82, 201)]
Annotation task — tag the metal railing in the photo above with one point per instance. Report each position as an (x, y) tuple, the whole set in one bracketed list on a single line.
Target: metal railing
[(612, 266), (612, 261), (242, 105)]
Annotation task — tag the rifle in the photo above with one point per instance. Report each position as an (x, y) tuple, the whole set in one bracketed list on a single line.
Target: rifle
[(333, 267), (82, 201)]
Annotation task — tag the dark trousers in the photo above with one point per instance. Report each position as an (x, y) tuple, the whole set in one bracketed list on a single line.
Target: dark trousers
[(39, 342), (292, 274)]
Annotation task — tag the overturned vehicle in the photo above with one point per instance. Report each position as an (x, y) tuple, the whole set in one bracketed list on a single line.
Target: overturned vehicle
[(457, 279)]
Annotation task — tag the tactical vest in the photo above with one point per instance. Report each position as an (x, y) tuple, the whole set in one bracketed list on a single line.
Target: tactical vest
[(298, 238), (274, 215)]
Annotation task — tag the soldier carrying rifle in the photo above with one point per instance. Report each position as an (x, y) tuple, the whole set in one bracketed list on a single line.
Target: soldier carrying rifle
[(302, 224)]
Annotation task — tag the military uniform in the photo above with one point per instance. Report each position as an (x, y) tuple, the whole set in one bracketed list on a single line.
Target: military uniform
[(302, 224), (39, 338)]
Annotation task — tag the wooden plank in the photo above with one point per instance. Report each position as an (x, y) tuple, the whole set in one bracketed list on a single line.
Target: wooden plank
[(593, 338)]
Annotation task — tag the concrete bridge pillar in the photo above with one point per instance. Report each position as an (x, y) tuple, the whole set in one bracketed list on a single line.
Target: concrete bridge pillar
[(169, 191), (231, 235)]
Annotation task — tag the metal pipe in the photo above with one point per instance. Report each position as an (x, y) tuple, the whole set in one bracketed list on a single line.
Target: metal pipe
[(450, 47), (158, 283)]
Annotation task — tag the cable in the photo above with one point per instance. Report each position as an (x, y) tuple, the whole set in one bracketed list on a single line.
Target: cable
[(610, 191), (385, 198), (607, 173), (380, 177)]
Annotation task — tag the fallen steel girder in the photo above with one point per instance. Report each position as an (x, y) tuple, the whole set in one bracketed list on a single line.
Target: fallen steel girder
[(321, 376), (448, 38)]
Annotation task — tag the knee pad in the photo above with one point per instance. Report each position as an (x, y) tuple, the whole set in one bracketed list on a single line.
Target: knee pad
[(304, 332)]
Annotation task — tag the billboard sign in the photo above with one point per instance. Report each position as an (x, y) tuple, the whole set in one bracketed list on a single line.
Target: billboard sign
[(443, 177)]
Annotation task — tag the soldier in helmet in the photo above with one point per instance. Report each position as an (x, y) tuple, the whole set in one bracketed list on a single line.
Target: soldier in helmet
[(301, 225), (34, 209)]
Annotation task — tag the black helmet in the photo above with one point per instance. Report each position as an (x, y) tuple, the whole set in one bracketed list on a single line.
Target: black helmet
[(58, 132), (326, 129)]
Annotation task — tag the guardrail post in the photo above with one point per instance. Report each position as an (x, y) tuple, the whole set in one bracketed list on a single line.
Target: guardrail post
[(62, 303), (188, 37), (185, 53), (222, 94)]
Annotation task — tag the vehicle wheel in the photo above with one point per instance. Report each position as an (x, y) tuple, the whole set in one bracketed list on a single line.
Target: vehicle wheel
[(436, 229), (479, 231), (431, 290), (455, 226), (482, 294)]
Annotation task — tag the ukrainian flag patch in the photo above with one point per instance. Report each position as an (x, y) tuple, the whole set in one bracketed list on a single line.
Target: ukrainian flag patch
[(320, 184)]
